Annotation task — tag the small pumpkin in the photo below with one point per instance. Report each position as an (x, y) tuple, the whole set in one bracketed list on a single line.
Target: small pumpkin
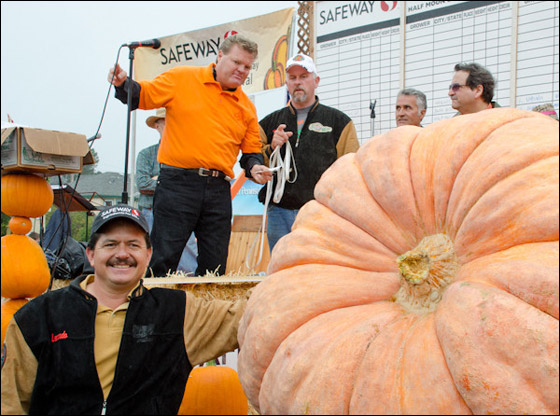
[(423, 278), (25, 195), (25, 271), (20, 225), (9, 308), (214, 390)]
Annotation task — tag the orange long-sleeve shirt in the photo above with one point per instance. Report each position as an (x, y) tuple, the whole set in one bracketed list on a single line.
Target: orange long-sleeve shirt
[(205, 126)]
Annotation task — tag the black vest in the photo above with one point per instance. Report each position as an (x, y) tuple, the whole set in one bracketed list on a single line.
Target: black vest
[(152, 365), (315, 152)]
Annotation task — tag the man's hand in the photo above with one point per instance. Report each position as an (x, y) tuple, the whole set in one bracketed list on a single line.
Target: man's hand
[(280, 136), (119, 78), (261, 174)]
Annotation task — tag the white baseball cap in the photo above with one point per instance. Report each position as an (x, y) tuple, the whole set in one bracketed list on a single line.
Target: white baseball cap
[(302, 60)]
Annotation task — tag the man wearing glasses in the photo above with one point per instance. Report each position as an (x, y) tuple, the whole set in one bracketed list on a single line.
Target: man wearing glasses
[(472, 89)]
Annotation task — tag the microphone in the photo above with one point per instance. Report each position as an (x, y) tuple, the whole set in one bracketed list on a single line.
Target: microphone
[(153, 43), (372, 108)]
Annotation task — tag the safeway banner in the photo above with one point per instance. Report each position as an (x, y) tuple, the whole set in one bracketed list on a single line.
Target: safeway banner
[(199, 48)]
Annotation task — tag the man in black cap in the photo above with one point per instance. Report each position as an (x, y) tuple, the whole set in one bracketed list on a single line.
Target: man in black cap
[(107, 344)]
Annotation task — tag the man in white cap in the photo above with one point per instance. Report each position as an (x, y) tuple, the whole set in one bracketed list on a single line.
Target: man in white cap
[(147, 172), (316, 134)]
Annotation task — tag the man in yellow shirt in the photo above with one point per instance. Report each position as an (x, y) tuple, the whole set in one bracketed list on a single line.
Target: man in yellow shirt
[(107, 344), (209, 119)]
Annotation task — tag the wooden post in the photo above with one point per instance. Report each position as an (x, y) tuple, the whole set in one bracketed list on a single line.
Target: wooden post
[(305, 40)]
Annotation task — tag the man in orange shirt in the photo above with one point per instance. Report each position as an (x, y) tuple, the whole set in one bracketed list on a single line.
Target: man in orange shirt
[(209, 119)]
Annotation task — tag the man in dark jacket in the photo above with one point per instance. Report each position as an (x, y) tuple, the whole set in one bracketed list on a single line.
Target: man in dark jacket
[(313, 134), (107, 344)]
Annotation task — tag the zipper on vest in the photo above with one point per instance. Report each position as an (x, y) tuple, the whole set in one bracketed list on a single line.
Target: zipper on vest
[(104, 409)]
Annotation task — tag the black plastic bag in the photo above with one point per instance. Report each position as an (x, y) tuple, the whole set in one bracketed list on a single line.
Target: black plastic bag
[(71, 262)]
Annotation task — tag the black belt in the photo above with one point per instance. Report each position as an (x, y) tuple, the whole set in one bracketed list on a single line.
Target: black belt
[(200, 171)]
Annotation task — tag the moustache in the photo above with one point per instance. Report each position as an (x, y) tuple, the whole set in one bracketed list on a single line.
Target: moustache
[(131, 263)]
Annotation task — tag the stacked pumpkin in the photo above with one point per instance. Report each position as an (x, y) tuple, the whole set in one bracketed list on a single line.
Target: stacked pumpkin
[(423, 278), (25, 271)]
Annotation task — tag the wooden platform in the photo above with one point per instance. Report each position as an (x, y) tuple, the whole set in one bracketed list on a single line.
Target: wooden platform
[(244, 235)]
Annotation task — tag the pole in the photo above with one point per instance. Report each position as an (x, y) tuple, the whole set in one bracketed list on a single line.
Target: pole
[(129, 107)]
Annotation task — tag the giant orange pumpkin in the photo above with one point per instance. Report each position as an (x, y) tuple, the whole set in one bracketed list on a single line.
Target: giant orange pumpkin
[(422, 280), (214, 390), (25, 195), (25, 271)]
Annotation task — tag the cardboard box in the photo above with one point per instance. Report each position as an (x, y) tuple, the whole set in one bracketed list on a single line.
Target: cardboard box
[(47, 152)]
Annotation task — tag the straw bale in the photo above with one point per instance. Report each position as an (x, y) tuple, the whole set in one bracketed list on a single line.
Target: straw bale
[(231, 286)]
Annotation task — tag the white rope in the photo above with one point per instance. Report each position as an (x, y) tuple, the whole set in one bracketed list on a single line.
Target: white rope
[(282, 169)]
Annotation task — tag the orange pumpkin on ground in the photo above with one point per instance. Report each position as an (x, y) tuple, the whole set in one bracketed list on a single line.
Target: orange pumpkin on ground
[(10, 307), (25, 195), (423, 278), (25, 271), (214, 390)]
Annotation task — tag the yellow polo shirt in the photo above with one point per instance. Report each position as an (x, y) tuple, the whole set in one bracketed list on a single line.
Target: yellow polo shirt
[(109, 325), (205, 126), (210, 330)]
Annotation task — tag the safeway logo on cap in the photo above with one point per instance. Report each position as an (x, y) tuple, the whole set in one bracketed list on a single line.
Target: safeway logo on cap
[(298, 58), (119, 210)]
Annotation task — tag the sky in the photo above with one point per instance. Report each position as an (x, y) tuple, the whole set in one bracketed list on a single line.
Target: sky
[(55, 57)]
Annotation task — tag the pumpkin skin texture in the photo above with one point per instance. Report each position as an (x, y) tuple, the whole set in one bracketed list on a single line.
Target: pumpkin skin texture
[(26, 195), (10, 307), (25, 271), (423, 278), (214, 390), (20, 225)]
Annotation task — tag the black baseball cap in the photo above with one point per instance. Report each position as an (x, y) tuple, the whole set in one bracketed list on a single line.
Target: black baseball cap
[(111, 213)]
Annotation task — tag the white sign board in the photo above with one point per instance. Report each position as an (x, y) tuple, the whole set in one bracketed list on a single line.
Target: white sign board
[(365, 54)]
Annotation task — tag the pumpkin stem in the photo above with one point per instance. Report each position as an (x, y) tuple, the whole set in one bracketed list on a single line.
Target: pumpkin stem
[(425, 272)]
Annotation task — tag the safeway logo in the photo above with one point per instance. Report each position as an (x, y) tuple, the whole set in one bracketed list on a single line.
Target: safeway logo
[(386, 5), (55, 338)]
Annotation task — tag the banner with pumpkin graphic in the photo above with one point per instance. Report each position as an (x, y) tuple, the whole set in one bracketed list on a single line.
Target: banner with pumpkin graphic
[(199, 48)]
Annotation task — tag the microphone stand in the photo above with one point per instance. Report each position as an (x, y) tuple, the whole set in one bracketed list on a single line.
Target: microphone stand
[(124, 199), (372, 116)]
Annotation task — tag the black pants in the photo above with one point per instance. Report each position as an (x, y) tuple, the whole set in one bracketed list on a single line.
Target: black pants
[(185, 202)]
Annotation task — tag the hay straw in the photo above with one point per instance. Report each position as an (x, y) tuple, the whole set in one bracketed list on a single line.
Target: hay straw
[(232, 286)]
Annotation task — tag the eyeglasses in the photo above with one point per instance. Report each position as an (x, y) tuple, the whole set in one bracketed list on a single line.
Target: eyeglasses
[(455, 86)]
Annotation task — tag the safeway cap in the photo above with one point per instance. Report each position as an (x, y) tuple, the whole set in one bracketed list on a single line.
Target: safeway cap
[(119, 211)]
